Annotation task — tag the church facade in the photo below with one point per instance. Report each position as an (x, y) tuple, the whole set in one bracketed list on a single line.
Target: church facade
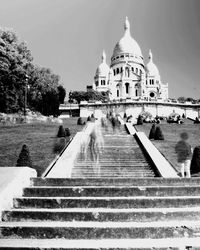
[(128, 77)]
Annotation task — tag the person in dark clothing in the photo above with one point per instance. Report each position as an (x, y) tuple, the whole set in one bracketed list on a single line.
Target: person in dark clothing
[(184, 153), (195, 163)]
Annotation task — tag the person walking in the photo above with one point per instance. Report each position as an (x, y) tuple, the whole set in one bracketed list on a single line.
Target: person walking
[(184, 153), (96, 145)]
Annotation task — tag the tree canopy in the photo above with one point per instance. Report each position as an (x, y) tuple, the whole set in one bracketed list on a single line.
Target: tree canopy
[(91, 95), (17, 73)]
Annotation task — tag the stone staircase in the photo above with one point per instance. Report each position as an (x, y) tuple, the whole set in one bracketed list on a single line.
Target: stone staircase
[(121, 156), (106, 213)]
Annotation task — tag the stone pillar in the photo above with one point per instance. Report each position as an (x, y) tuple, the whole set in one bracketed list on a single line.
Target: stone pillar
[(122, 90)]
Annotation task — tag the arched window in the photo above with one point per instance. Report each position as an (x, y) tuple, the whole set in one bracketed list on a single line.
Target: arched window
[(117, 70), (132, 69), (152, 82), (127, 87), (97, 83), (121, 69), (136, 70), (103, 82), (136, 92), (127, 72), (114, 71), (117, 92)]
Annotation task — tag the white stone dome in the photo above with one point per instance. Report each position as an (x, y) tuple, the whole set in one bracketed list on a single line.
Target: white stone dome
[(103, 69), (127, 44), (151, 68)]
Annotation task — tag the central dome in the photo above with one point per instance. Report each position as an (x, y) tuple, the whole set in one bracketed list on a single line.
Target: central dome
[(127, 44)]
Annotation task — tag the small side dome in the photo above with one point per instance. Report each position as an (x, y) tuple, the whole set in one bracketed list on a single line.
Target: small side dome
[(151, 68), (103, 69)]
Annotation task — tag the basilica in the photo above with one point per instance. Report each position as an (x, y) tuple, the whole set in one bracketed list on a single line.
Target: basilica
[(128, 77)]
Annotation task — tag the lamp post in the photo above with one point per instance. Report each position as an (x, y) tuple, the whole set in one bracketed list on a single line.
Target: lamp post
[(25, 95), (70, 99)]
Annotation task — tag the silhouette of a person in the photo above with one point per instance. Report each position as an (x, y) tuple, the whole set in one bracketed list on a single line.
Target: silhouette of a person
[(184, 153)]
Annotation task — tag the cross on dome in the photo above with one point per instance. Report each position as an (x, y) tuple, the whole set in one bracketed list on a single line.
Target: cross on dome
[(150, 55), (103, 56), (127, 26)]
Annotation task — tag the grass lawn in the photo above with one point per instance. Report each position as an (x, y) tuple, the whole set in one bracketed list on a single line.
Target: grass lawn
[(40, 138), (171, 134)]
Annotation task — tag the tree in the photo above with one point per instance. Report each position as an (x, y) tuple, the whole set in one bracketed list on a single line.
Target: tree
[(189, 99), (181, 99), (80, 121), (61, 131), (67, 132), (195, 163), (91, 95), (158, 134), (45, 93), (14, 60), (59, 145), (24, 157), (61, 93), (152, 132), (139, 120)]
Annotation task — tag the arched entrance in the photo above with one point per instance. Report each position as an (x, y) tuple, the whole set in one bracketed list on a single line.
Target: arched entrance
[(127, 87)]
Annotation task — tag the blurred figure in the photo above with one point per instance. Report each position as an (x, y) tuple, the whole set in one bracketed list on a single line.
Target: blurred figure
[(96, 145), (104, 123), (184, 152), (115, 123)]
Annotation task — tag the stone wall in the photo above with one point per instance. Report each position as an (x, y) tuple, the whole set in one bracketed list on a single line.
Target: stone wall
[(135, 108)]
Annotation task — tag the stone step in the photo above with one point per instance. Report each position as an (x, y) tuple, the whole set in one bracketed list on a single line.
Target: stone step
[(110, 169), (113, 164), (104, 244), (99, 230), (106, 202), (118, 191), (115, 171), (113, 175), (102, 215), (102, 191), (158, 181), (114, 160)]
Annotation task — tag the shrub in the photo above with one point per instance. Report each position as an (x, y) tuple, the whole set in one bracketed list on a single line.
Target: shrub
[(146, 114), (183, 115), (152, 132), (59, 145), (125, 115), (195, 163), (92, 116), (24, 158), (158, 134), (139, 120), (80, 121), (61, 132), (67, 132), (89, 119)]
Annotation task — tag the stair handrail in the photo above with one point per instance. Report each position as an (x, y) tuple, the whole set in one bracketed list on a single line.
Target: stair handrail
[(51, 165)]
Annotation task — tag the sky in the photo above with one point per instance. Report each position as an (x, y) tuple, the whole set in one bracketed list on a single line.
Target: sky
[(69, 36)]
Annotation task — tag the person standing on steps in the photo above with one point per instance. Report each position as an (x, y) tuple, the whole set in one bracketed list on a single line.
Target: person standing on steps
[(184, 153), (96, 145)]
